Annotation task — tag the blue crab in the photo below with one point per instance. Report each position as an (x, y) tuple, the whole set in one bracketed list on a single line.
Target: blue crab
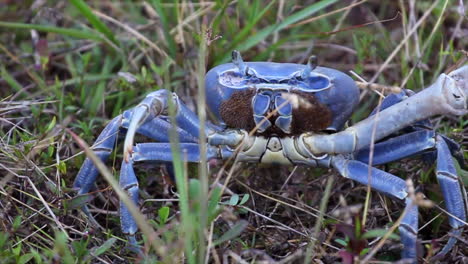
[(295, 114)]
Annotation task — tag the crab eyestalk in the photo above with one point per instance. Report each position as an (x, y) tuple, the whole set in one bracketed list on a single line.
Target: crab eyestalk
[(311, 65), (239, 62), (149, 108)]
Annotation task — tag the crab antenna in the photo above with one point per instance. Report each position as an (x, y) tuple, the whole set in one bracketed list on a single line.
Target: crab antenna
[(311, 65), (239, 62)]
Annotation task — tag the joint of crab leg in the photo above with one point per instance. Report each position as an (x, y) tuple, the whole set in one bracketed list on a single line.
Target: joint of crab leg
[(342, 142), (311, 65), (150, 107), (304, 148), (230, 138), (456, 90)]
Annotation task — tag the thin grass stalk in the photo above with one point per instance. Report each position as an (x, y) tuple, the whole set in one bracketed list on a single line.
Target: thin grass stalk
[(181, 179), (318, 223), (426, 45), (202, 166)]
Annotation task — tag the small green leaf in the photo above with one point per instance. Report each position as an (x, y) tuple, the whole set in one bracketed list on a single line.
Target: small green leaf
[(61, 248), (245, 198), (163, 214), (194, 189), (3, 239), (51, 124), (17, 250), (234, 200), (96, 251), (62, 167), (213, 204), (17, 222), (341, 242), (25, 258), (214, 199), (235, 231), (379, 232), (10, 80), (80, 247), (364, 251), (52, 187), (77, 201)]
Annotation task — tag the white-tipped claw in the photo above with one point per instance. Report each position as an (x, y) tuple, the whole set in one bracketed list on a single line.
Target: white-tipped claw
[(139, 115)]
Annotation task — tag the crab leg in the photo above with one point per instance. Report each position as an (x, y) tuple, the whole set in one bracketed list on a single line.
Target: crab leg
[(159, 152), (156, 105), (155, 128), (399, 147), (407, 145), (395, 98), (448, 95), (391, 185), (103, 147), (451, 190)]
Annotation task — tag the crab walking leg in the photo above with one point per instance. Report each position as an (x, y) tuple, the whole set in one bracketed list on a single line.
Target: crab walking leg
[(103, 147), (395, 98), (451, 190), (129, 184), (159, 152), (391, 185), (399, 147), (417, 142), (155, 105), (190, 152), (407, 145), (448, 95), (455, 150), (157, 129)]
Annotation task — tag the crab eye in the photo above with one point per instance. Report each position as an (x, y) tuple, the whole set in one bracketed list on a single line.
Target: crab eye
[(316, 83), (233, 79)]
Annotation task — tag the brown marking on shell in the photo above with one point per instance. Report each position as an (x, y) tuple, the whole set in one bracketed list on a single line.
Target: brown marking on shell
[(308, 114), (311, 117), (237, 111)]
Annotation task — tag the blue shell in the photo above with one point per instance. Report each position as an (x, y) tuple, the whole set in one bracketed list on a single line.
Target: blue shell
[(331, 87)]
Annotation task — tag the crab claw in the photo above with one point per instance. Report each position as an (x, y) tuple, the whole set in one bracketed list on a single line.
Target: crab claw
[(456, 91), (448, 95), (152, 106)]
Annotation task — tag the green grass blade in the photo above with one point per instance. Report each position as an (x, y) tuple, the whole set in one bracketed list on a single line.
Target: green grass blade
[(264, 33), (10, 80), (187, 219), (247, 28), (86, 11), (76, 33), (171, 45)]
